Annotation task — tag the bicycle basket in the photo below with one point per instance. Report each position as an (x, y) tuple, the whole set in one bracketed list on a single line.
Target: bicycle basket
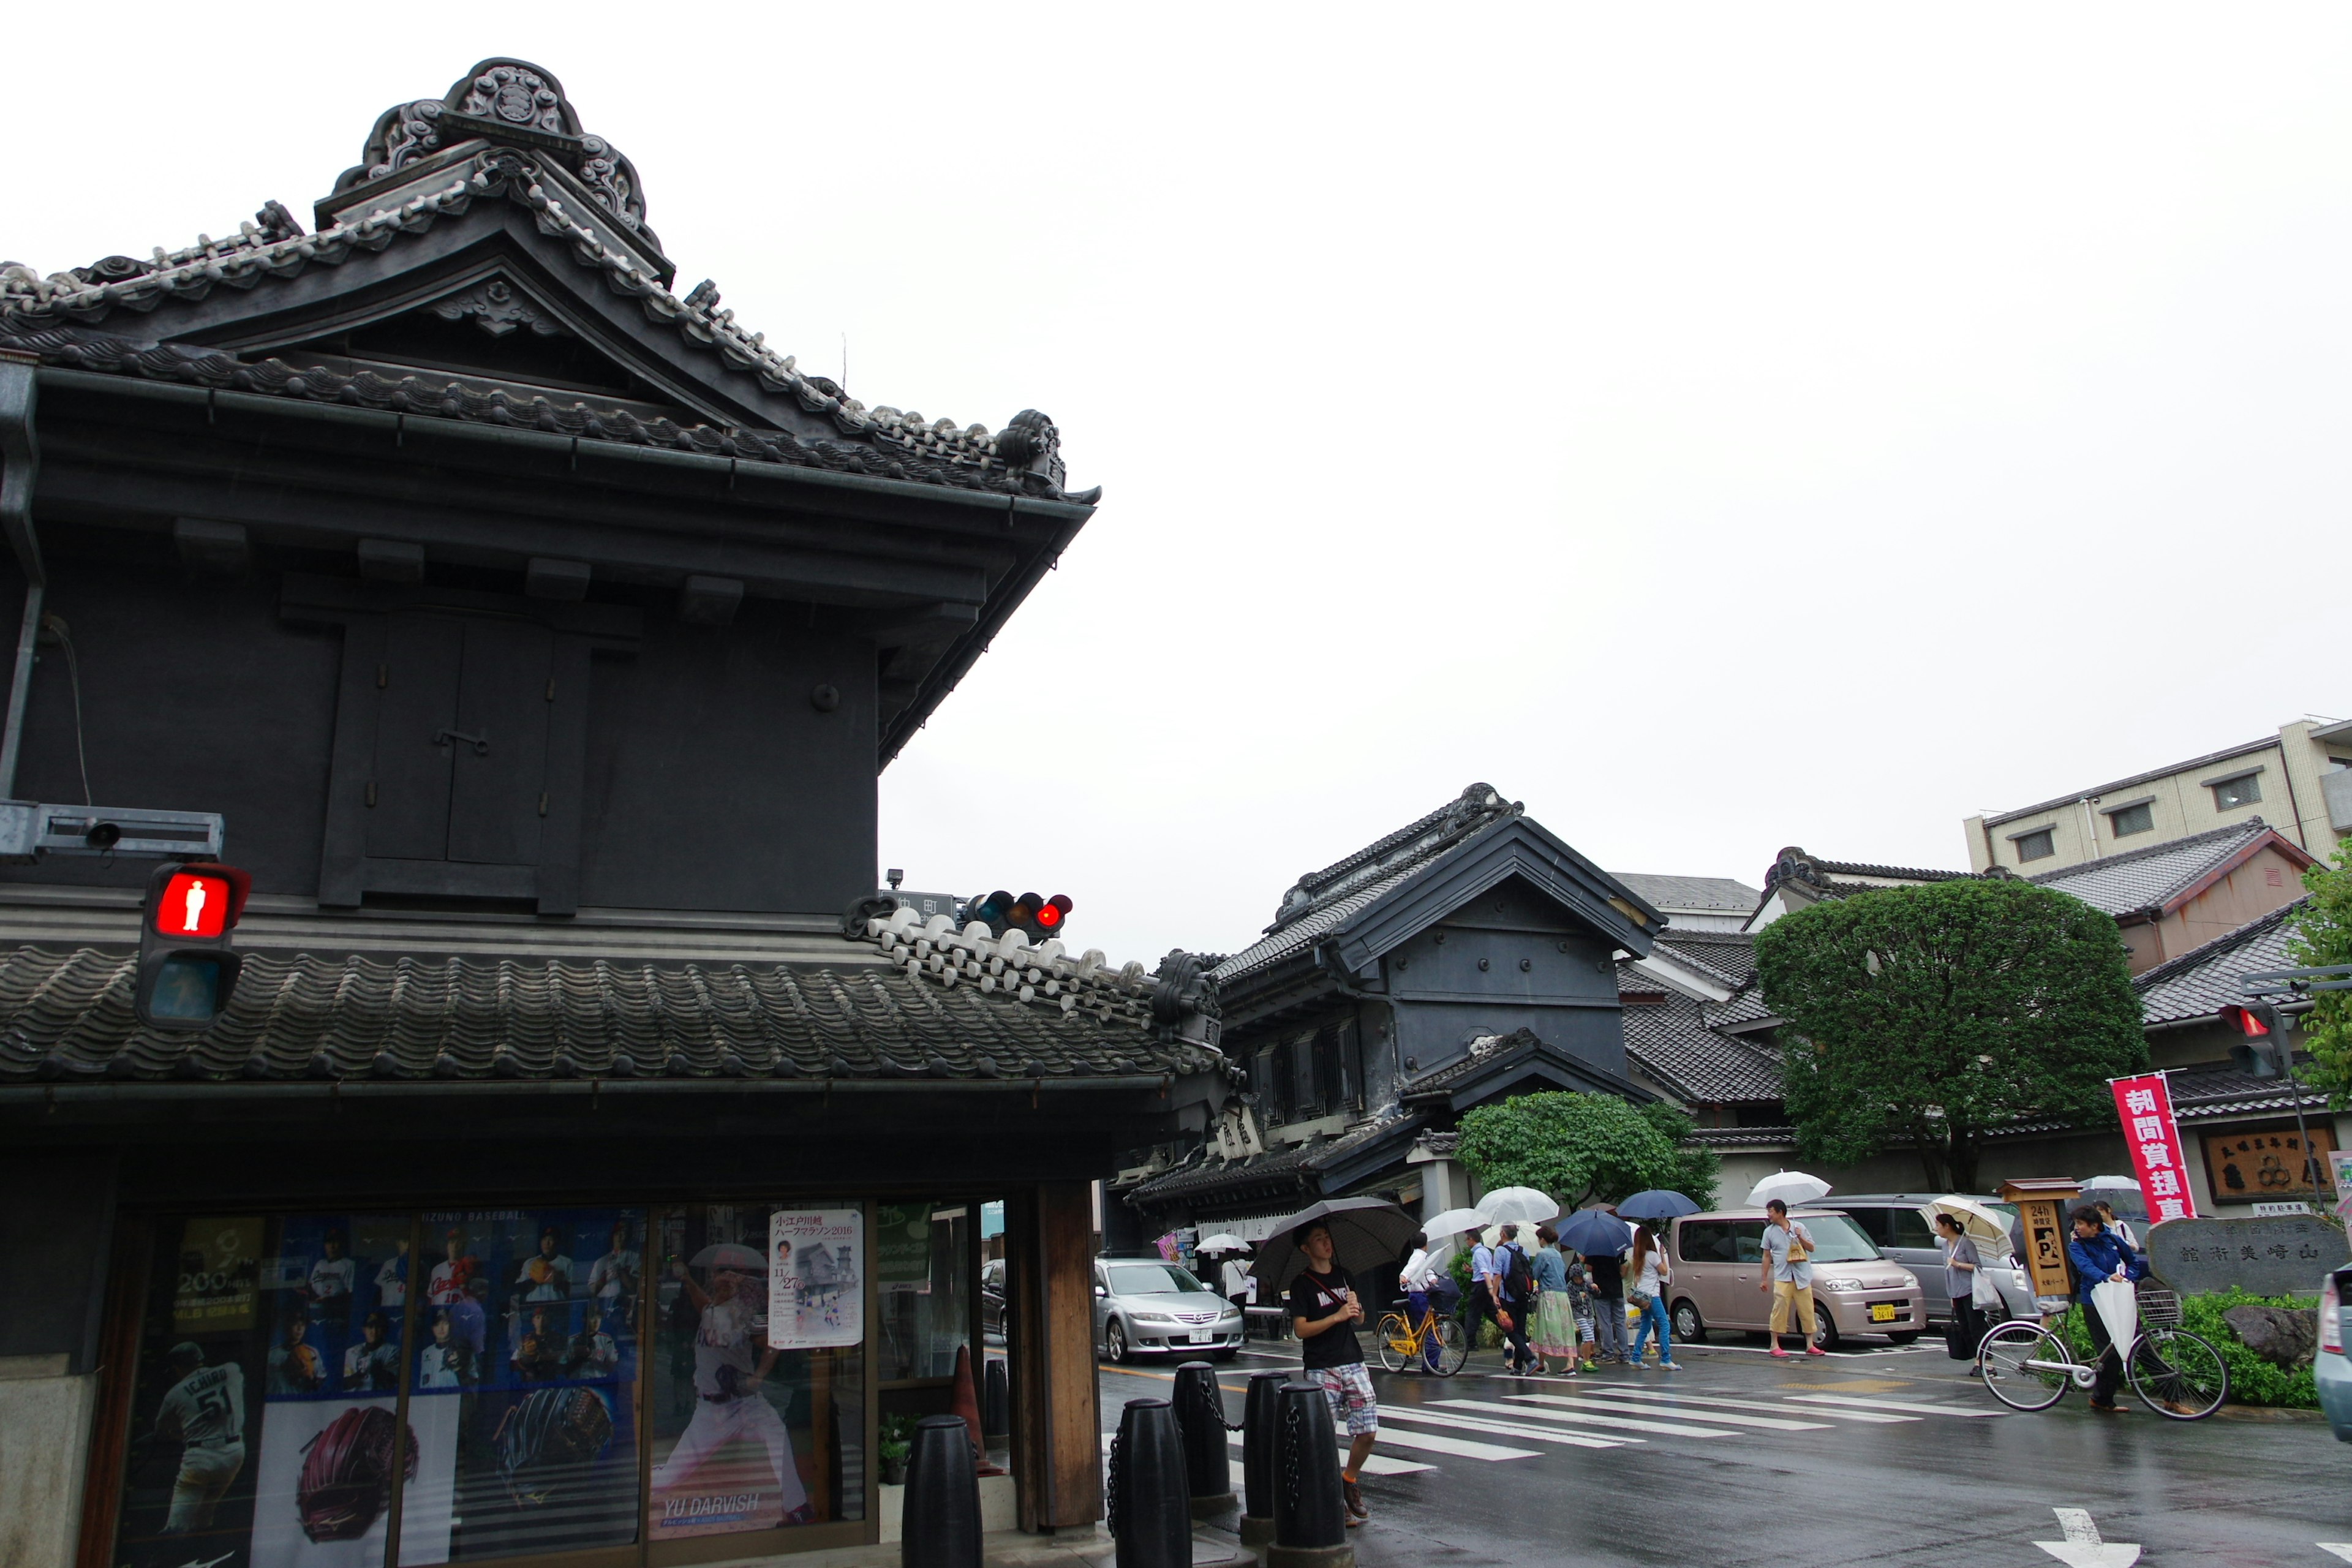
[(2159, 1308)]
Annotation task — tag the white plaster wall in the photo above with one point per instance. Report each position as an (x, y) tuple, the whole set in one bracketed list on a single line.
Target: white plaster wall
[(45, 1417)]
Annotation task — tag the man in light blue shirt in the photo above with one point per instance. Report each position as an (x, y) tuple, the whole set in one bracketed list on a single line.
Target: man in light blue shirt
[(1485, 1291), (1788, 1275)]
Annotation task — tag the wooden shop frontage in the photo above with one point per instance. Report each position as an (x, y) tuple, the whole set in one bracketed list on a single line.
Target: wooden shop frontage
[(590, 1167)]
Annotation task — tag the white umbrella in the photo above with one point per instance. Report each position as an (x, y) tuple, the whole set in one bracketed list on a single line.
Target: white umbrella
[(1223, 1243), (1454, 1222), (2110, 1183), (1791, 1187), (1988, 1227), (1519, 1205), (2117, 1304)]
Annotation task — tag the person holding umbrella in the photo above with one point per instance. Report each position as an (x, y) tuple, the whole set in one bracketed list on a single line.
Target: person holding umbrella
[(1788, 1276), (1602, 1239), (1323, 1313), (2099, 1257)]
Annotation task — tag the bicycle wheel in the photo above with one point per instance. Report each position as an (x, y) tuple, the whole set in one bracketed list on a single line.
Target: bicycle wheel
[(1398, 1346), (2024, 1366), (2179, 1375), (1452, 1346)]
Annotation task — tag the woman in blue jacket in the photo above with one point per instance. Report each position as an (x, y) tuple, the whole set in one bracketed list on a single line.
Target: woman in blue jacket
[(2098, 1257)]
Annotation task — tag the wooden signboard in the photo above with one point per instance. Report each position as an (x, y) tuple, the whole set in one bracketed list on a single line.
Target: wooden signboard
[(2252, 1167), (2042, 1203)]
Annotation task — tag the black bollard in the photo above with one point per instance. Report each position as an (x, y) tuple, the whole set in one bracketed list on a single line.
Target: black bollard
[(1200, 1416), (995, 1405), (940, 1527), (1310, 1515), (1151, 1515), (1261, 1438)]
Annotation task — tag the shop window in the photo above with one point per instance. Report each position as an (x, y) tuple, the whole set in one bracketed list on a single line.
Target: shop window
[(524, 1400), (758, 1404), (310, 1388), (922, 1267)]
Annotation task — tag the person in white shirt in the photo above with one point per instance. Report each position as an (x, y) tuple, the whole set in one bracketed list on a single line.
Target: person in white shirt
[(204, 1412), (729, 1366), (332, 1276)]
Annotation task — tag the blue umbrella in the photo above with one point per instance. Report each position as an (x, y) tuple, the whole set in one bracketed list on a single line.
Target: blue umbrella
[(1596, 1233), (1656, 1206)]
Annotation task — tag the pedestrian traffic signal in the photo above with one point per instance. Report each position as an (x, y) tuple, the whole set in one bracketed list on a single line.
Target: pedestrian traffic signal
[(2253, 1020), (1035, 918), (186, 968)]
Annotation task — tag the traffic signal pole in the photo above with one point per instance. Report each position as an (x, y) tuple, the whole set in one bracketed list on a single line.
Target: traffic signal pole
[(2296, 984)]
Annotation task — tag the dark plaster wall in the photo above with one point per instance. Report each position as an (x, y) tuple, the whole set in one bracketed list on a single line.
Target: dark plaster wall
[(55, 1232), (712, 781), (1567, 992)]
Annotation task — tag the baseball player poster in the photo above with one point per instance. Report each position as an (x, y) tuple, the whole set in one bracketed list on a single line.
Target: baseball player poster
[(814, 1301)]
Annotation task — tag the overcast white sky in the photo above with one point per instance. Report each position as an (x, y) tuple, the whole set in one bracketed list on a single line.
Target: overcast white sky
[(1745, 427)]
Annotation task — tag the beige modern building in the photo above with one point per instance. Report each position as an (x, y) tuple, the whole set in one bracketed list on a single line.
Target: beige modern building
[(2299, 781)]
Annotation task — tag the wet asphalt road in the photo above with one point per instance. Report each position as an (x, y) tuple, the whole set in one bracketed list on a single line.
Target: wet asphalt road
[(1896, 1457)]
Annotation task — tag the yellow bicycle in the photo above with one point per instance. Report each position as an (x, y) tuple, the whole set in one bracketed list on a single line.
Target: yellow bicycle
[(1437, 1344)]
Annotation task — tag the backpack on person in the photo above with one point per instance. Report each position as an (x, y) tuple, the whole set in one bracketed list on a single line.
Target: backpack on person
[(1518, 1274)]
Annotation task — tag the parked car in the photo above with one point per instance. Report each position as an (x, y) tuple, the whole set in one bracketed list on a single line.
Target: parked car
[(991, 1301), (1718, 1260), (1903, 1228), (2330, 1368), (1142, 1305)]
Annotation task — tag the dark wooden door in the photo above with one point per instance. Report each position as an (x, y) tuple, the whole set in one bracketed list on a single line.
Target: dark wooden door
[(461, 740)]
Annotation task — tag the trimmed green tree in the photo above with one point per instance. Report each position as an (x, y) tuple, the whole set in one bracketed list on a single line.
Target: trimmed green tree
[(2323, 934), (1583, 1147), (1942, 1012)]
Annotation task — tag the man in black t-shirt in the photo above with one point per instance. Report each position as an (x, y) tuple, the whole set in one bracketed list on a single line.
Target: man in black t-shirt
[(1323, 1313)]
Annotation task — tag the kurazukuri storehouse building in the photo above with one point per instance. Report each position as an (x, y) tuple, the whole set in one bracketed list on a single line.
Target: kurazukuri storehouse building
[(587, 1163)]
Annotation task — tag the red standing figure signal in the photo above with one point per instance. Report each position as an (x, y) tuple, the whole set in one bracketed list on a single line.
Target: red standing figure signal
[(186, 968)]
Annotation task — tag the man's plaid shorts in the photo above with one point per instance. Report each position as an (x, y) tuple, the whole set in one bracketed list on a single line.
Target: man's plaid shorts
[(1349, 1390)]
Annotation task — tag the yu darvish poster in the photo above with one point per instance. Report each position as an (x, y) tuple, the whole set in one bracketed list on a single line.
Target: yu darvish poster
[(816, 1298)]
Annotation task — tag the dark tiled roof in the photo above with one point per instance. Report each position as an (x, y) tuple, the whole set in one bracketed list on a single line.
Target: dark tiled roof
[(1672, 1042), (1293, 1165), (2149, 878), (1670, 893), (1727, 955), (599, 225), (66, 1014), (1996, 818), (1321, 900), (1826, 879), (2215, 1089), (1743, 1137), (2201, 982)]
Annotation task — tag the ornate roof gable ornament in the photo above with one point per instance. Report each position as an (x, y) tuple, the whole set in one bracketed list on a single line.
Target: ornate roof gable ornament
[(503, 101)]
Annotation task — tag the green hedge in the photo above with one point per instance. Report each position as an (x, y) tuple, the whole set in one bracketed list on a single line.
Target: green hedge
[(2253, 1380)]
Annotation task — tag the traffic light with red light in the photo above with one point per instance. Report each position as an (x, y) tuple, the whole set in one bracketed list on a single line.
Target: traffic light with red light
[(187, 970), (2268, 1051), (1035, 918)]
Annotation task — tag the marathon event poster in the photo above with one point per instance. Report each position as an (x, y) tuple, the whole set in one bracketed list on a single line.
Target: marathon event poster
[(814, 1299), (525, 1432)]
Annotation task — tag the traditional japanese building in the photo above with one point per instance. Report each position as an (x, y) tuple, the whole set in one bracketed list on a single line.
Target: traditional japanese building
[(1465, 958), (588, 1162)]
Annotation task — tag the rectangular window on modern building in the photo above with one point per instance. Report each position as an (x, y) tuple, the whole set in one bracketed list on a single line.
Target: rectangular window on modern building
[(2131, 820), (2230, 793), (2039, 844)]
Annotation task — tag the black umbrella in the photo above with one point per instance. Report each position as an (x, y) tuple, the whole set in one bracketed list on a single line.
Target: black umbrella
[(1367, 1236)]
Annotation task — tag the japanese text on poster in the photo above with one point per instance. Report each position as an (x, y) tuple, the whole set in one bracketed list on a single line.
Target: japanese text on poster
[(815, 1295), (219, 1275), (2153, 1139)]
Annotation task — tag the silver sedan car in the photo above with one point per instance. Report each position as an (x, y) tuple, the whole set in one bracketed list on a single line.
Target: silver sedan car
[(1144, 1305)]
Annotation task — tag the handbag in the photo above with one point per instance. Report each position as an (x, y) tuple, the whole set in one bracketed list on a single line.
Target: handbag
[(1639, 1299)]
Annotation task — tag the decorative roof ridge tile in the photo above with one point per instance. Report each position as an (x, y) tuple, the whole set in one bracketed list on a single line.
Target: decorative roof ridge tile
[(265, 249), (1478, 807)]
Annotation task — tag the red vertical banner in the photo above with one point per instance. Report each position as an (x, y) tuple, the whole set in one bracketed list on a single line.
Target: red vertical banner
[(2145, 1106)]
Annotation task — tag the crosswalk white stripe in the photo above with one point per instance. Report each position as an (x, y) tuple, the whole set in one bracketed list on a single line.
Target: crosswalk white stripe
[(1825, 1412), (1376, 1465), (1626, 1423), (1887, 1405), (1431, 1442), (1720, 1417), (1497, 1428)]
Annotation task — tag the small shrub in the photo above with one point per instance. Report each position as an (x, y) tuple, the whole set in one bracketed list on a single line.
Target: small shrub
[(2253, 1380)]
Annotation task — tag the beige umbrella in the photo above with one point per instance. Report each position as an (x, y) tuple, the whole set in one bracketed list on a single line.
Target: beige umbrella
[(1986, 1226)]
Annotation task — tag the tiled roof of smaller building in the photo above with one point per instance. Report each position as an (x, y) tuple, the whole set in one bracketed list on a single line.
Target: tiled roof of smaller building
[(2212, 1090), (1293, 1164), (1830, 878), (2202, 981), (1672, 893), (1674, 1041), (2149, 878), (1727, 955), (1321, 900)]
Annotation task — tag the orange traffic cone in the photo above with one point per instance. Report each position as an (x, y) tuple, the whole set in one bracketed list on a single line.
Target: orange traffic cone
[(967, 1409)]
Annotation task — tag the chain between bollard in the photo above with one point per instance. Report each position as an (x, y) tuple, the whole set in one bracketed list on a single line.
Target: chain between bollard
[(1112, 1512), (1213, 1405), (1292, 1484)]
